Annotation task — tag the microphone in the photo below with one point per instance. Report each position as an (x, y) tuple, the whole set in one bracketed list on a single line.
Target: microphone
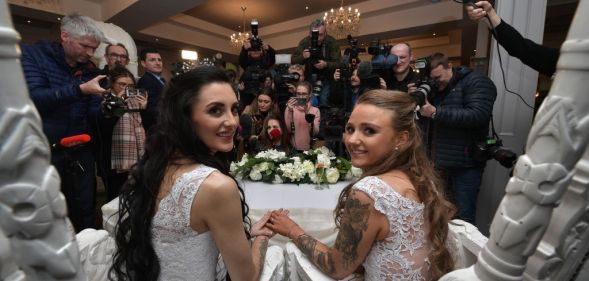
[(76, 140)]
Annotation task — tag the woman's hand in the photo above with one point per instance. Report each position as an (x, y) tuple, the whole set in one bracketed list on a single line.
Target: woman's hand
[(259, 227), (283, 225), (291, 103)]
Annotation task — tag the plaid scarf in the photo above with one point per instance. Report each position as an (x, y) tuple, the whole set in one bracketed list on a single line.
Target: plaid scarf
[(128, 142)]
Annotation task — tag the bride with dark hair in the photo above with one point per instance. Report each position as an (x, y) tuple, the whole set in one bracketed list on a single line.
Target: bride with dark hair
[(181, 208)]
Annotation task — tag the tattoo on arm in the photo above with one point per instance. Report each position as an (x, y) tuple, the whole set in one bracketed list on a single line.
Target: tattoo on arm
[(323, 259), (353, 225)]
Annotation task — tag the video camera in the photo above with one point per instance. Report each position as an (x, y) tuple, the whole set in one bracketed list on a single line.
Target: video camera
[(353, 51), (255, 41), (382, 59), (115, 106), (284, 77)]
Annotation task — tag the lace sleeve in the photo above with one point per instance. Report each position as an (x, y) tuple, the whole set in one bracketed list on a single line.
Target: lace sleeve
[(374, 189), (188, 193)]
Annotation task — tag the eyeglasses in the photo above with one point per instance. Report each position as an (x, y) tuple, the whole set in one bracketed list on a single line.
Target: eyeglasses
[(117, 56), (302, 94), (125, 85)]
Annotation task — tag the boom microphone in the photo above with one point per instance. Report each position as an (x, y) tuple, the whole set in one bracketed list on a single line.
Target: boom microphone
[(72, 141)]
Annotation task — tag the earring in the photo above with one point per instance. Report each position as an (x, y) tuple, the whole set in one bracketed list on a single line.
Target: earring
[(396, 148)]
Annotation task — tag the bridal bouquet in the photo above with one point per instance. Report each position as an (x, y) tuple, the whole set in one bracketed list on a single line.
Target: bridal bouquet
[(316, 166)]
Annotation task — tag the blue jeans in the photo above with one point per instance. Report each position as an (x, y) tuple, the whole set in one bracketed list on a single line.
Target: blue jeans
[(463, 185)]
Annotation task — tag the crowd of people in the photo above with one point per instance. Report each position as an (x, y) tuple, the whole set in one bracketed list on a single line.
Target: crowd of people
[(164, 148)]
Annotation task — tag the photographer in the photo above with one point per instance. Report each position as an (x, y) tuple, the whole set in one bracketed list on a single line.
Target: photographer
[(320, 54), (253, 115), (119, 131), (347, 89), (302, 119), (459, 111), (256, 60), (286, 79), (402, 76)]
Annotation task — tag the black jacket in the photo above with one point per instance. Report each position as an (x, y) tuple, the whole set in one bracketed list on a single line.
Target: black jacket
[(463, 113), (541, 58), (154, 89)]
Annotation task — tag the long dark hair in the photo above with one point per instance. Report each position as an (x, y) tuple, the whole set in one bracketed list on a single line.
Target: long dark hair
[(173, 139), (412, 160), (267, 141)]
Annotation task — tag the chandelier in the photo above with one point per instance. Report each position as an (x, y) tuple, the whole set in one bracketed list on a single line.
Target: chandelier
[(342, 22), (237, 40)]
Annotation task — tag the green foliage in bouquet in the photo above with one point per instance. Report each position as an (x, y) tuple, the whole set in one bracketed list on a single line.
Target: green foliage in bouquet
[(316, 166)]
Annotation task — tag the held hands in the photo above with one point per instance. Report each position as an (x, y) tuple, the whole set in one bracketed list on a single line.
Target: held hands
[(259, 228), (280, 223), (92, 87)]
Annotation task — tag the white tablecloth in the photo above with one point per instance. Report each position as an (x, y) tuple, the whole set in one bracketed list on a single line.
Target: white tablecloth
[(310, 207)]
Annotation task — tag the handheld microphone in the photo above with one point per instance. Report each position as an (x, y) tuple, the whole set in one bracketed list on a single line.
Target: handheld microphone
[(76, 140)]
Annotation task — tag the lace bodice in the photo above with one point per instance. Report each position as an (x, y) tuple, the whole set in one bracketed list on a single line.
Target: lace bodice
[(183, 253), (403, 254)]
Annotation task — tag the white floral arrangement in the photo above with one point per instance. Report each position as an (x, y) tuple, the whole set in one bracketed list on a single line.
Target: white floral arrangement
[(316, 166)]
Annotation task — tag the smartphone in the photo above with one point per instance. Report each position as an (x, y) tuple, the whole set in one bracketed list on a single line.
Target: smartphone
[(301, 101)]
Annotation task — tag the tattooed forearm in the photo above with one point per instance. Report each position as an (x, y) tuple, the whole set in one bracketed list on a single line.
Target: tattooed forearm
[(306, 243), (354, 223), (323, 260)]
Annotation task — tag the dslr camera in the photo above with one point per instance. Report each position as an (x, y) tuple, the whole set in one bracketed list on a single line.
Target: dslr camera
[(255, 41), (492, 148), (315, 50), (115, 106), (424, 83)]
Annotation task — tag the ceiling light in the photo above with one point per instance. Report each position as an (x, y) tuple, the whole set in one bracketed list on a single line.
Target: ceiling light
[(189, 55), (342, 22), (238, 39)]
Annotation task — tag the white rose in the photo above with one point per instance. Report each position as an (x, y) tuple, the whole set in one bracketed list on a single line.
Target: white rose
[(326, 151), (232, 167), (332, 175), (277, 179), (356, 172), (262, 166), (239, 176), (255, 175), (323, 161)]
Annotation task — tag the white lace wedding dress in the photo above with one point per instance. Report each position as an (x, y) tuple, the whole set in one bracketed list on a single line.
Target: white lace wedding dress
[(183, 253), (403, 254)]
